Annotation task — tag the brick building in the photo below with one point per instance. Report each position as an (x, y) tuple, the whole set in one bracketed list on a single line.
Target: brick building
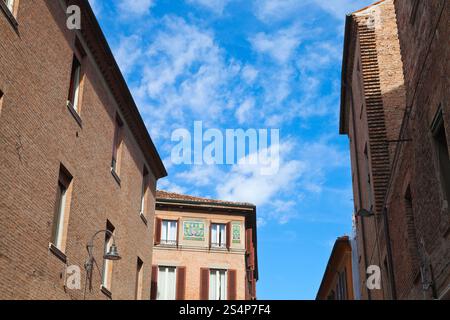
[(75, 158), (419, 193), (337, 281), (204, 249), (399, 153)]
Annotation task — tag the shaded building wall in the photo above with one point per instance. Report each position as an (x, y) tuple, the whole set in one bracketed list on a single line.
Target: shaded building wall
[(418, 199), (38, 133)]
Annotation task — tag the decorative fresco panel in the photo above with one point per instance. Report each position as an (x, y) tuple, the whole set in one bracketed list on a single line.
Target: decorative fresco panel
[(236, 232), (194, 230)]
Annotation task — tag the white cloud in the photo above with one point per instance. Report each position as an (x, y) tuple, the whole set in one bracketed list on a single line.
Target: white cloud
[(128, 52), (245, 110), (201, 175), (135, 7), (340, 8), (95, 5), (216, 6), (246, 183), (166, 185), (280, 45), (186, 70), (249, 74), (270, 11), (273, 10)]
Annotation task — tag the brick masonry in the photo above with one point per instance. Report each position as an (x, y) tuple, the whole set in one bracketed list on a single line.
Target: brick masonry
[(424, 31), (396, 73), (37, 134)]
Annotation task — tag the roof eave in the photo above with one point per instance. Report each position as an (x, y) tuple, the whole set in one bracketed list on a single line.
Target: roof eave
[(112, 71), (343, 125)]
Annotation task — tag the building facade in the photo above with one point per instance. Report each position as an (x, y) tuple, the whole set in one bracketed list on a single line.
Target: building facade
[(399, 152), (75, 158), (419, 195), (204, 249), (337, 281)]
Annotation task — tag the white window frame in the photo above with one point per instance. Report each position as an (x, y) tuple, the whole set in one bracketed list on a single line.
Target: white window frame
[(169, 229), (218, 235), (61, 216), (165, 292), (10, 5), (218, 284), (76, 89), (144, 192)]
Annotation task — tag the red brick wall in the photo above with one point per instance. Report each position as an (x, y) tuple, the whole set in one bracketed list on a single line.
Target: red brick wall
[(425, 53), (37, 133), (376, 109)]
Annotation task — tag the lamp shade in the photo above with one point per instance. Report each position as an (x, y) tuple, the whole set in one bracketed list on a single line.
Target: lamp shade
[(112, 254), (364, 213)]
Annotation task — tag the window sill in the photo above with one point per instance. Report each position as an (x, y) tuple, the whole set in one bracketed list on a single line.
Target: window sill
[(12, 20), (106, 291), (168, 245), (116, 176), (219, 249), (74, 114), (144, 219), (58, 253)]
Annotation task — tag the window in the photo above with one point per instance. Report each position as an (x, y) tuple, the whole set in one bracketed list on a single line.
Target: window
[(117, 146), (218, 235), (62, 207), (9, 4), (217, 284), (107, 264), (144, 191), (341, 287), (166, 283), (441, 146), (75, 85), (1, 101), (368, 181), (169, 232), (139, 277)]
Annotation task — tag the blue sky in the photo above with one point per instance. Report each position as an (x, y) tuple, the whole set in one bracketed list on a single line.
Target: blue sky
[(233, 64)]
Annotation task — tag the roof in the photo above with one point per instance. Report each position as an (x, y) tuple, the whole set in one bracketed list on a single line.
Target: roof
[(96, 41), (341, 242), (348, 39), (165, 195)]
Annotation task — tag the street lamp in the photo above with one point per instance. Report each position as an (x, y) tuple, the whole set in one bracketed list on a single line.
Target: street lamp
[(111, 254), (364, 213)]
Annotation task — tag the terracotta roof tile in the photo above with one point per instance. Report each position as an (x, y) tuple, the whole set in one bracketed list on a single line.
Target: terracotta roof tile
[(164, 195)]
